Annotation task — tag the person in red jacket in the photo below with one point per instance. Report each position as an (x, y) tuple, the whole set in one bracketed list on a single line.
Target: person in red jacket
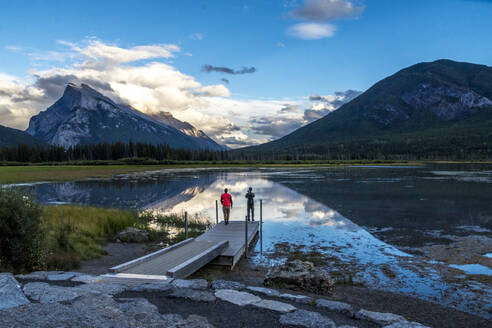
[(226, 201)]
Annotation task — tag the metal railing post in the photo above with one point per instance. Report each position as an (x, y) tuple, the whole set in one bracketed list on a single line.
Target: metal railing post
[(261, 226), (246, 237), (216, 212), (186, 225)]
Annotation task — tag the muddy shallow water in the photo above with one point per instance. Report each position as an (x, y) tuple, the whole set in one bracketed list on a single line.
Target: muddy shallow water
[(424, 231)]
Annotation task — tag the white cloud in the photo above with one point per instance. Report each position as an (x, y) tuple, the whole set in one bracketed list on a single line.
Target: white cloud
[(139, 77), (311, 31), (317, 15)]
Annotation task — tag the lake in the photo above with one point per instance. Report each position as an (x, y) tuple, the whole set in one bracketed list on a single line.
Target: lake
[(423, 230)]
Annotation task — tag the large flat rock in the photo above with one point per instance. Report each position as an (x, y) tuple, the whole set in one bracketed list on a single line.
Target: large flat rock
[(275, 306), (194, 295), (303, 318), (406, 324), (96, 310), (227, 284), (236, 297), (11, 294), (45, 293), (264, 291), (335, 306), (382, 319), (192, 283)]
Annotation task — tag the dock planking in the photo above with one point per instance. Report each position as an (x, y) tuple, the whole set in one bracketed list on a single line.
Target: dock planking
[(221, 245)]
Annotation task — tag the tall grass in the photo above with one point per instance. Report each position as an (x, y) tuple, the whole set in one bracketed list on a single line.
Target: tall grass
[(75, 233)]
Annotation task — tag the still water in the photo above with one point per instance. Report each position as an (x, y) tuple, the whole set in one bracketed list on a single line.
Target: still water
[(385, 227)]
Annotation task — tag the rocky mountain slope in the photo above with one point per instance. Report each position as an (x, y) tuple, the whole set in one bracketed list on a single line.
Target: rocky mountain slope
[(84, 116), (437, 106), (12, 137)]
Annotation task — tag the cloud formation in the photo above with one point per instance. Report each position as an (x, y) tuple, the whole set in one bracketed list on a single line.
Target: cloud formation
[(227, 70), (311, 31), (323, 105), (318, 15), (141, 77)]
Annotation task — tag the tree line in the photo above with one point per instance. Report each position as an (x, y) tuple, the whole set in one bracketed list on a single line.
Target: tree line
[(359, 151)]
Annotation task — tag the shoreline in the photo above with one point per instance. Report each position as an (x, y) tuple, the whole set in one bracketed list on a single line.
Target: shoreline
[(412, 308)]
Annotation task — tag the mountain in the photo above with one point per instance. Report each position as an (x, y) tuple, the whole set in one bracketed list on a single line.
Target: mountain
[(185, 127), (437, 107), (12, 137), (84, 116)]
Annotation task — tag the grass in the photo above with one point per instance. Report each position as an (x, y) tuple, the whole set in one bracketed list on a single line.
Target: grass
[(76, 233), (37, 173)]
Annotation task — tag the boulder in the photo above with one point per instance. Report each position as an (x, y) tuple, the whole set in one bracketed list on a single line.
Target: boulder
[(133, 235), (11, 294), (299, 275), (306, 319)]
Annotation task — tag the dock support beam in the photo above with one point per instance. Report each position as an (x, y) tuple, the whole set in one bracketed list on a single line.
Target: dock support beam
[(246, 237), (216, 212), (261, 226), (186, 225)]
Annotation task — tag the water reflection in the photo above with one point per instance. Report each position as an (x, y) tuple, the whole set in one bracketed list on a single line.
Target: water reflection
[(322, 209)]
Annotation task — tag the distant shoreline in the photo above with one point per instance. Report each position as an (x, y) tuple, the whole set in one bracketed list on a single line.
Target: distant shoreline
[(12, 173)]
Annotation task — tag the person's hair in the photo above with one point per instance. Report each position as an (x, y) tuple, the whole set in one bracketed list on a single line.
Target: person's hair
[(250, 188), (225, 190)]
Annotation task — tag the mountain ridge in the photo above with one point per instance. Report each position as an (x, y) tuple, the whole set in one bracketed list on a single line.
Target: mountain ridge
[(426, 101), (82, 115)]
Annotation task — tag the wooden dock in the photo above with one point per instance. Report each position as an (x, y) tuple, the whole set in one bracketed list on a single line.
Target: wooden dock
[(221, 245)]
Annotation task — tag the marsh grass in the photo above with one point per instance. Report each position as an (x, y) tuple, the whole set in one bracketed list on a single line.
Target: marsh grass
[(75, 233)]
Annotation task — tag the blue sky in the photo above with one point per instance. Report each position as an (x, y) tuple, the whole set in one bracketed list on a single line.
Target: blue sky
[(296, 52)]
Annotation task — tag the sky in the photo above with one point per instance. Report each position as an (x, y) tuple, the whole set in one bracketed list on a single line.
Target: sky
[(245, 72)]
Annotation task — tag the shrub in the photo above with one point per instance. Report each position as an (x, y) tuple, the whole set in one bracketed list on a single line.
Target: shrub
[(21, 233)]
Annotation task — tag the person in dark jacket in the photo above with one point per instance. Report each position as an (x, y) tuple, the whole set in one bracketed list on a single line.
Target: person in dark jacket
[(251, 204), (226, 201)]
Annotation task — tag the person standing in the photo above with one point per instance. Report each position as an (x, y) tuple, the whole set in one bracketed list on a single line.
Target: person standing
[(251, 204), (226, 201)]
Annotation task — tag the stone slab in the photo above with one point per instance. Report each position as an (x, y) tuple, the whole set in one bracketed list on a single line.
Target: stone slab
[(306, 319), (236, 297), (11, 294), (192, 283), (275, 306), (382, 319)]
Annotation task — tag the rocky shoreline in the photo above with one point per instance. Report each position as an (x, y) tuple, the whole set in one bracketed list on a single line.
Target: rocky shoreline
[(72, 299)]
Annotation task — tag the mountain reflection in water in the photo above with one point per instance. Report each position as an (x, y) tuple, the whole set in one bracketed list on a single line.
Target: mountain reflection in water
[(303, 208)]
